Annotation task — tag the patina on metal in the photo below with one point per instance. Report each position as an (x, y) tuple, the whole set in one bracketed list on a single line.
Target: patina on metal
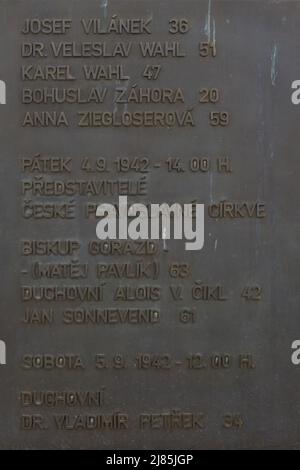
[(143, 344)]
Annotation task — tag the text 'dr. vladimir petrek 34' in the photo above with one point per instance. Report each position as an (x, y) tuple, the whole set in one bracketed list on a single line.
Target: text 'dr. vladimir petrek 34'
[(150, 226)]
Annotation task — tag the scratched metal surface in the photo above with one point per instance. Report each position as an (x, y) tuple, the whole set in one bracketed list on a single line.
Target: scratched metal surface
[(258, 58)]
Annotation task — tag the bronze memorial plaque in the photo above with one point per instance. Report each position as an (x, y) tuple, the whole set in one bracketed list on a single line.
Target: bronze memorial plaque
[(149, 236)]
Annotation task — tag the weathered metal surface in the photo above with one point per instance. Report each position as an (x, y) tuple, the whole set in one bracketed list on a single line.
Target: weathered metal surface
[(191, 369)]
